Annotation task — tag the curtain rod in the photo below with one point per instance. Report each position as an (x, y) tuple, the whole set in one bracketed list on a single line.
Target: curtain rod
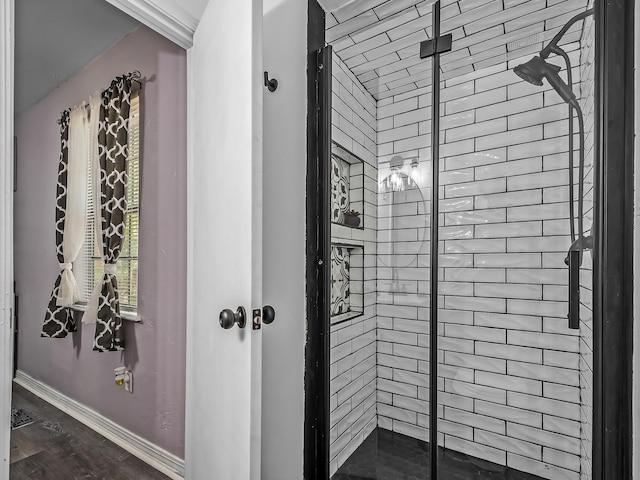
[(135, 76)]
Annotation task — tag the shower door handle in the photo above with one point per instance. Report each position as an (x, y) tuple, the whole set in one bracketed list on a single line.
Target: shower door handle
[(574, 288)]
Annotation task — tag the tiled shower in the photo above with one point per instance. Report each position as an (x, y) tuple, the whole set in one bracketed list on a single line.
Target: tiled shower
[(514, 382)]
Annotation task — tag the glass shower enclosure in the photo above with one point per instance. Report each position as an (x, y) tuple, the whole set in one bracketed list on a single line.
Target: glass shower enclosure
[(461, 266)]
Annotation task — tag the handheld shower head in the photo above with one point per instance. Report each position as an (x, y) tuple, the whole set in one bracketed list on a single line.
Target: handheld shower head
[(536, 69)]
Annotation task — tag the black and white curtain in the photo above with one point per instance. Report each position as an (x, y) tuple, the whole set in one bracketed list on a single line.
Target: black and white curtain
[(113, 138), (71, 193), (104, 143)]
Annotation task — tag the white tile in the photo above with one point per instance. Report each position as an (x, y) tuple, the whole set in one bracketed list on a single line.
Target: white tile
[(510, 107), (538, 276), (456, 429), (476, 450), (456, 344), (541, 147), (477, 362), (476, 158), (485, 275), (390, 360), (513, 137), (533, 307), (509, 382), (559, 375), (561, 459), (537, 212), (510, 414), (543, 340), (477, 100), (508, 444), (481, 392), (549, 406), (503, 290), (533, 355), (511, 322), (541, 437), (477, 187), (488, 216), (561, 425), (411, 404), (539, 244), (475, 420), (397, 413), (561, 359), (539, 468), (512, 229), (508, 260), (508, 169)]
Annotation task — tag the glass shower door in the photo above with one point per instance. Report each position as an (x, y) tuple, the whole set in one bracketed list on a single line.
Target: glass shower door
[(380, 357), (514, 380)]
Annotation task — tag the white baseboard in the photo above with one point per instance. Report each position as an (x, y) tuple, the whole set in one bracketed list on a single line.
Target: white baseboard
[(160, 459)]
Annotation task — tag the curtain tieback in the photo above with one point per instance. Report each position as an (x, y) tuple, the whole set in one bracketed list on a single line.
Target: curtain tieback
[(66, 266), (110, 268)]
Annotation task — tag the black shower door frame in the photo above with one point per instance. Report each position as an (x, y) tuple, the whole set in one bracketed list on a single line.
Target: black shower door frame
[(613, 245)]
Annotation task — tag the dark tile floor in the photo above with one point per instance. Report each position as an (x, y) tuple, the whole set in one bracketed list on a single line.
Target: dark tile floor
[(386, 455), (58, 447)]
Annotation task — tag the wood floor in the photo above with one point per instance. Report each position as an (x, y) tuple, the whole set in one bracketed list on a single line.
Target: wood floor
[(58, 447)]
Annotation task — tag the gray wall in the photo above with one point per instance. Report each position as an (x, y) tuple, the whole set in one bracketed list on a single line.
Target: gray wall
[(155, 350), (284, 177)]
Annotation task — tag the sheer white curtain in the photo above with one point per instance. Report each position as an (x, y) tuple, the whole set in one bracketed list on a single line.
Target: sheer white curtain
[(76, 208), (94, 105)]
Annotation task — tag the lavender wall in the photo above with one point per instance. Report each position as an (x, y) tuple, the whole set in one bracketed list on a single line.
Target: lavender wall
[(155, 349)]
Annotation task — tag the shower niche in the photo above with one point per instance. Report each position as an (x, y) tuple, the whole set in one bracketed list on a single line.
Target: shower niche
[(347, 188), (347, 249), (347, 275)]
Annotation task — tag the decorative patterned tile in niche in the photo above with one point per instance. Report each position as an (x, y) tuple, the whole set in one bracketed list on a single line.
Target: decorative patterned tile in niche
[(339, 189), (340, 286)]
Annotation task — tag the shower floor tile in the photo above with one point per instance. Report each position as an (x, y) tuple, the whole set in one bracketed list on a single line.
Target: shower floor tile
[(387, 455)]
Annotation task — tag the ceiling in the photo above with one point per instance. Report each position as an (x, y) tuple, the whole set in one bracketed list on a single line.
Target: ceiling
[(56, 38), (379, 40)]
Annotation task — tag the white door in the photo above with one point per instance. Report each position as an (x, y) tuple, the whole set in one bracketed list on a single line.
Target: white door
[(225, 242)]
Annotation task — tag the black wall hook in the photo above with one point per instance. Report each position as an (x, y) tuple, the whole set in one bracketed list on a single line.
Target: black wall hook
[(271, 84)]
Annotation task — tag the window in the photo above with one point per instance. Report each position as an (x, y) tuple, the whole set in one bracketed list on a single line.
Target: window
[(88, 267)]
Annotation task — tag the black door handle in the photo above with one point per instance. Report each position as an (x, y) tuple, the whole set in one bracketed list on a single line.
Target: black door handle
[(268, 314), (228, 318)]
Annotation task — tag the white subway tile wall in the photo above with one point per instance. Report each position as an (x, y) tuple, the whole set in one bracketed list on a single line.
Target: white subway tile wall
[(353, 342)]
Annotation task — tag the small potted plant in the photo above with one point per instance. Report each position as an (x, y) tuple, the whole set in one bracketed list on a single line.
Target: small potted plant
[(352, 218)]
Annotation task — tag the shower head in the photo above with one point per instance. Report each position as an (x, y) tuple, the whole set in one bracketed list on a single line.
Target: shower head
[(536, 69), (532, 71)]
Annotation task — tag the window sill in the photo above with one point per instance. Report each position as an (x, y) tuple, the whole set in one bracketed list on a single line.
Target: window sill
[(125, 314)]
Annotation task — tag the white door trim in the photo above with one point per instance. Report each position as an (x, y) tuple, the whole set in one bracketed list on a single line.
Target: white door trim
[(6, 227)]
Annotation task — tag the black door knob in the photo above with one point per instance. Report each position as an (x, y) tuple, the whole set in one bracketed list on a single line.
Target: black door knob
[(228, 318), (268, 314)]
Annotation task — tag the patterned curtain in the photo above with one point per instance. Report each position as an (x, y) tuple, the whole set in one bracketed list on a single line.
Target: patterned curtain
[(113, 137), (58, 320)]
